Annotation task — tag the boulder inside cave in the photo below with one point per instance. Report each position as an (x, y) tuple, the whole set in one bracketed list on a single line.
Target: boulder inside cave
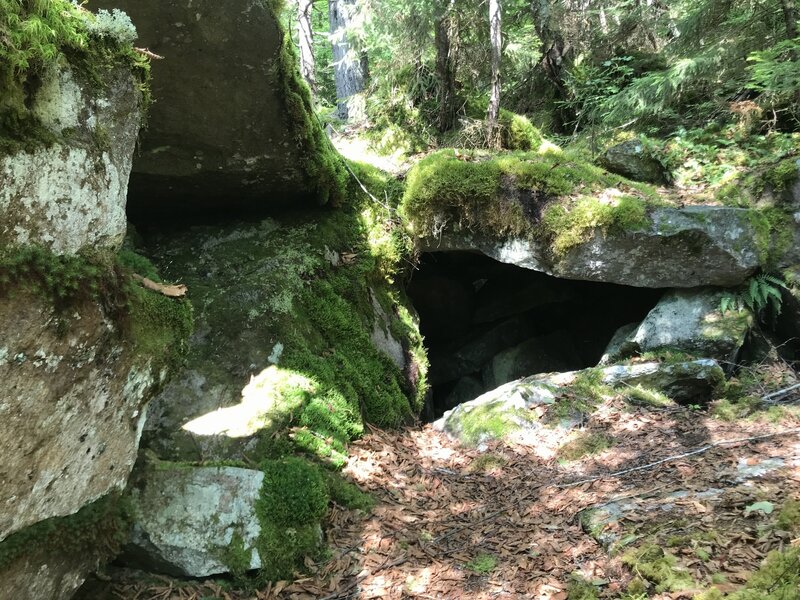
[(486, 323)]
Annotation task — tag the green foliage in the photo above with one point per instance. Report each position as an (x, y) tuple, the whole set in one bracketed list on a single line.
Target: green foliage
[(778, 578), (98, 528), (583, 395), (758, 295), (775, 71), (491, 422), (517, 132), (483, 564)]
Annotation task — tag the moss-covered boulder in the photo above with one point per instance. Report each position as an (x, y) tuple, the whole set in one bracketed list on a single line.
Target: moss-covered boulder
[(552, 212), (232, 124), (690, 321), (632, 159)]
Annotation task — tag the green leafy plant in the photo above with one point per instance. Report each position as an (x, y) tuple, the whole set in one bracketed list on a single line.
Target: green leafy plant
[(759, 294)]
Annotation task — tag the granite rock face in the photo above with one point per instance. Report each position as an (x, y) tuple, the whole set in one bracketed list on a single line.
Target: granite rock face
[(72, 410), (632, 160), (70, 195)]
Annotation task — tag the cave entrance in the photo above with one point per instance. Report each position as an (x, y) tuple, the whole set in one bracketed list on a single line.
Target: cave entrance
[(486, 323)]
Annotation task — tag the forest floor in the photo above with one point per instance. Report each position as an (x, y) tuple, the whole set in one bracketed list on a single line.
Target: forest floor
[(510, 521)]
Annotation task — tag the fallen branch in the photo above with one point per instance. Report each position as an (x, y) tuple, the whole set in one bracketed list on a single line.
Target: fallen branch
[(151, 55), (171, 291), (678, 457), (769, 397)]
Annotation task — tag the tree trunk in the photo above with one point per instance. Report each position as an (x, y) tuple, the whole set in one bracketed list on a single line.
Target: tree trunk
[(790, 16), (306, 41), (445, 70), (495, 34), (348, 64)]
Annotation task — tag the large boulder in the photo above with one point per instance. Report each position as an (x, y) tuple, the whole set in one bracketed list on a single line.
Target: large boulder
[(632, 159), (189, 519), (690, 321), (232, 123), (75, 386), (68, 194)]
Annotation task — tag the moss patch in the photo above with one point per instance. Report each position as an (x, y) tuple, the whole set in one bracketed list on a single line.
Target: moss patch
[(585, 444), (651, 563), (552, 196), (293, 501), (483, 564)]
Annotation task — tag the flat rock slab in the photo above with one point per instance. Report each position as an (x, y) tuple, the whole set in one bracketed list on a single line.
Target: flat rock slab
[(680, 248), (187, 517)]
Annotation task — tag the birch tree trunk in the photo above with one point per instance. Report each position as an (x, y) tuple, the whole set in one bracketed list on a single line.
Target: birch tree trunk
[(306, 41), (349, 65), (493, 133)]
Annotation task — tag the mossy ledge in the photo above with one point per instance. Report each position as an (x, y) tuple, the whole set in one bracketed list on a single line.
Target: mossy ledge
[(157, 327), (548, 195)]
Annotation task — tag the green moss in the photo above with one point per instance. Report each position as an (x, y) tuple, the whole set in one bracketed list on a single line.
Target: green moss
[(585, 444), (160, 326), (470, 192), (348, 494), (571, 226), (778, 578), (98, 527), (491, 422), (789, 516), (783, 174), (293, 500), (483, 564), (517, 132), (62, 279), (580, 589), (772, 233), (42, 35), (237, 556), (582, 396), (652, 564), (645, 396)]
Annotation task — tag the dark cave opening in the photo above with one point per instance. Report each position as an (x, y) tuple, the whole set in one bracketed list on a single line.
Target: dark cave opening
[(486, 323)]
